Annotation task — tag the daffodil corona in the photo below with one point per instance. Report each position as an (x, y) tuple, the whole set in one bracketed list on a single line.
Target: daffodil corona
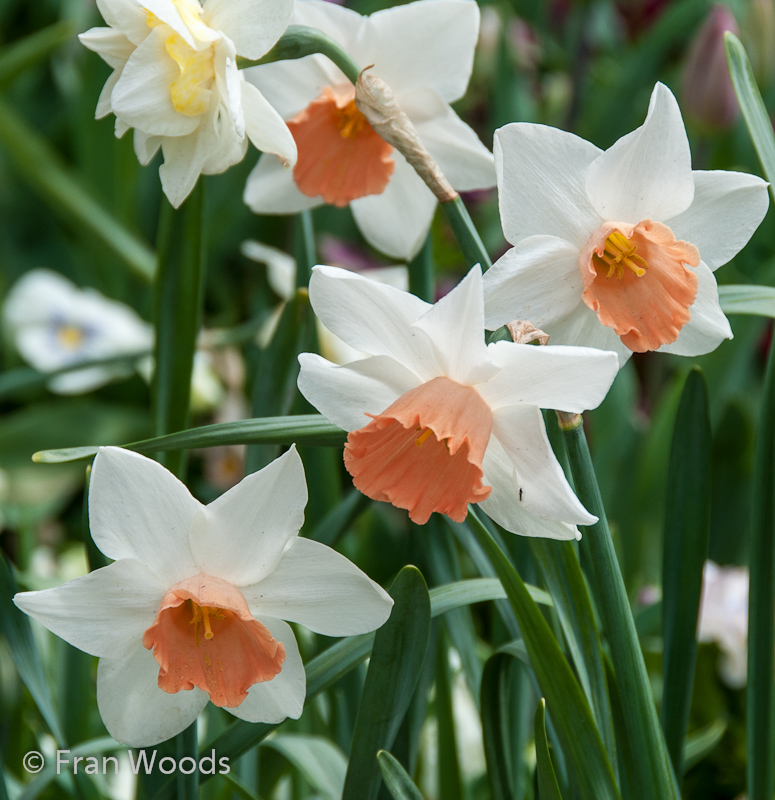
[(193, 607), (176, 82), (618, 248), (424, 52), (438, 419)]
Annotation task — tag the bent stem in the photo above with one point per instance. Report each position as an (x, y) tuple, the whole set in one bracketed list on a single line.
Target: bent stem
[(651, 769)]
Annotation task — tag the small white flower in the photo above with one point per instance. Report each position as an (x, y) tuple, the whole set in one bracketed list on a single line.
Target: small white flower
[(193, 606), (55, 324), (454, 421), (424, 51), (724, 619), (175, 81), (616, 249)]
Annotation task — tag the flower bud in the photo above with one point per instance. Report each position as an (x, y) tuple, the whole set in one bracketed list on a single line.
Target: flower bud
[(708, 95)]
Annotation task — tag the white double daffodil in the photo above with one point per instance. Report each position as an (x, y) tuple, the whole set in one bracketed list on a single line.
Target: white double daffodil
[(193, 606), (616, 249), (424, 51), (453, 421), (175, 81)]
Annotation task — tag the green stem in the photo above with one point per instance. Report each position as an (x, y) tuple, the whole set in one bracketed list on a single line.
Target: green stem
[(299, 41), (177, 312), (306, 255), (42, 167), (653, 773), (760, 693), (466, 234), (421, 273), (187, 747)]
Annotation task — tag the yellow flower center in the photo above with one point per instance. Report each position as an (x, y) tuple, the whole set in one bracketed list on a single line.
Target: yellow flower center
[(201, 616), (190, 91), (70, 337), (619, 252), (351, 121)]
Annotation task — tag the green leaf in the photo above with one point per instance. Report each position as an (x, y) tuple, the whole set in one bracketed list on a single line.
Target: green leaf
[(21, 55), (450, 782), (42, 167), (547, 780), (758, 300), (394, 669), (15, 627), (562, 574), (760, 693), (581, 743), (701, 743), (651, 767), (755, 114), (398, 783), (178, 307), (685, 549), (319, 760), (308, 428)]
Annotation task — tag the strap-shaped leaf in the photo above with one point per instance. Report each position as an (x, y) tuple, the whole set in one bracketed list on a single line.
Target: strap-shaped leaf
[(547, 780), (398, 783)]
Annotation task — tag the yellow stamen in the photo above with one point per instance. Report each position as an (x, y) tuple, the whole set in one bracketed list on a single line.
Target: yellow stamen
[(202, 614), (350, 120), (425, 434), (619, 252), (70, 337), (206, 616)]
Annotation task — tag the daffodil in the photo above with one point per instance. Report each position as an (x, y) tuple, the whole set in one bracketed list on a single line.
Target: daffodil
[(617, 249), (175, 81), (193, 607), (437, 418), (54, 324), (424, 51)]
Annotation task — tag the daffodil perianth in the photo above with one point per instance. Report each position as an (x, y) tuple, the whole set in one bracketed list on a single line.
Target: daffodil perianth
[(617, 248), (437, 418), (193, 606), (175, 81), (424, 52)]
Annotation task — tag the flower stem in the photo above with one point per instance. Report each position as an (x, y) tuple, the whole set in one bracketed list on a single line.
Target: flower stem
[(187, 747), (651, 768), (306, 255), (299, 41), (466, 234), (421, 278), (176, 315)]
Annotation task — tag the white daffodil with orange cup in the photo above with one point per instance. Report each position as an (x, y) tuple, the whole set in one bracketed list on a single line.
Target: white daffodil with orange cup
[(616, 249), (437, 418), (193, 607), (175, 81), (424, 51)]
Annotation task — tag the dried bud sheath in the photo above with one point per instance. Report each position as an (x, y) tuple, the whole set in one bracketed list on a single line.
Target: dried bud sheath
[(378, 104)]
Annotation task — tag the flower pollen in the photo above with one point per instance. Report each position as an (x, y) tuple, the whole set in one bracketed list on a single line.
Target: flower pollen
[(424, 453), (205, 636), (341, 157), (649, 302)]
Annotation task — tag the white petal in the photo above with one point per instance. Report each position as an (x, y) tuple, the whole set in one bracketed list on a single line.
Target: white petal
[(463, 159), (541, 175), (271, 190), (132, 706), (126, 16), (545, 489), (253, 25), (727, 209), (373, 317), (265, 126), (283, 696), (582, 328), (346, 394), (146, 147), (104, 613), (454, 327), (708, 326), (537, 280), (168, 12), (240, 537), (565, 378), (280, 267), (503, 503), (648, 172), (84, 380), (398, 220), (111, 45), (322, 590), (142, 97), (139, 510), (342, 24), (104, 106), (425, 44)]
